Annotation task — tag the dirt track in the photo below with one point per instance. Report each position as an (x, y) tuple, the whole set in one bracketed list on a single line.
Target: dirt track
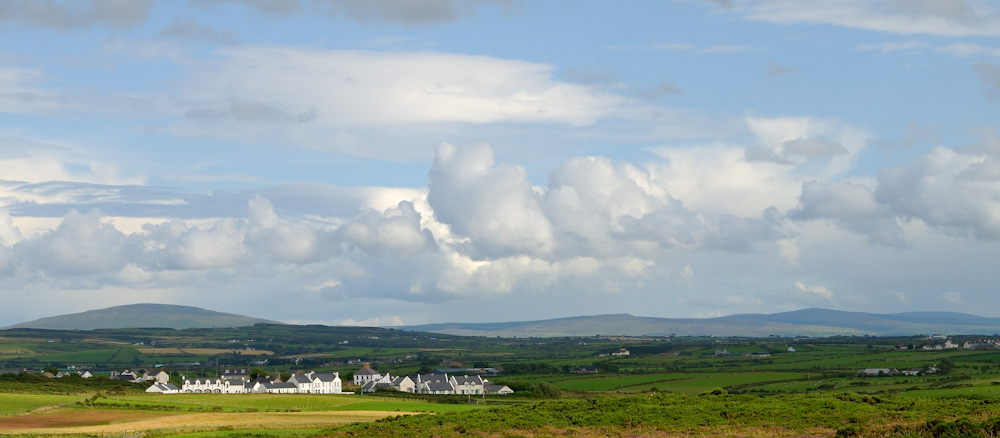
[(79, 421)]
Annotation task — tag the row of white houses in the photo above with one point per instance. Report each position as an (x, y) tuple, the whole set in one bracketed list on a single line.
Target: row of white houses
[(436, 384), (307, 383), (330, 383)]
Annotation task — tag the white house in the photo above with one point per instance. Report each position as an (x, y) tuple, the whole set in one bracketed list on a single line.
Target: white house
[(317, 383), (366, 374), (498, 389), (163, 388), (434, 384), (404, 384), (159, 376), (467, 385)]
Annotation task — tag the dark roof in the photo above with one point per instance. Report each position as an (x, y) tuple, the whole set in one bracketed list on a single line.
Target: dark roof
[(475, 380), (433, 377), (440, 386), (494, 388), (366, 372)]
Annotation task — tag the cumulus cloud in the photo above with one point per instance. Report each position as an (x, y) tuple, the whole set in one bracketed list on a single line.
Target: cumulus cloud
[(852, 207), (395, 232), (82, 244), (283, 240), (494, 206), (588, 197), (946, 189), (9, 235), (218, 246)]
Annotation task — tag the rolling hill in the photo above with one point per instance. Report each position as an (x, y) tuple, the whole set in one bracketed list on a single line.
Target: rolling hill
[(142, 316), (806, 322)]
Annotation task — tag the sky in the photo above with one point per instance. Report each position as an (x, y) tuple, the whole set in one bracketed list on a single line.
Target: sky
[(401, 162)]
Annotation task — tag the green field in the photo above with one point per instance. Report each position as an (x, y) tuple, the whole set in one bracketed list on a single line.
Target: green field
[(12, 404)]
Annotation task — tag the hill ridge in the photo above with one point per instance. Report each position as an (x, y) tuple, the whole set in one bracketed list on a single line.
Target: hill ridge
[(803, 322), (142, 315)]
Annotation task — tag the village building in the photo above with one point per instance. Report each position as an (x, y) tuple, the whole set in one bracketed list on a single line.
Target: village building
[(366, 374)]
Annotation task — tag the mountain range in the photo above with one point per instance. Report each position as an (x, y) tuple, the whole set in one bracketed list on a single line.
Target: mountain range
[(142, 316), (806, 322)]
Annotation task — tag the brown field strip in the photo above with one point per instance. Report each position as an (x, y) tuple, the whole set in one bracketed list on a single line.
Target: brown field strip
[(202, 351), (88, 421)]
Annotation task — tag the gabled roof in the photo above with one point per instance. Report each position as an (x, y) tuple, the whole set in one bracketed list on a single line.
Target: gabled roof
[(301, 378), (366, 372), (432, 378), (468, 380), (326, 377), (440, 386)]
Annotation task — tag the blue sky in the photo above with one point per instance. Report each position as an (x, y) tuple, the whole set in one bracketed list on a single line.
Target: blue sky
[(390, 162)]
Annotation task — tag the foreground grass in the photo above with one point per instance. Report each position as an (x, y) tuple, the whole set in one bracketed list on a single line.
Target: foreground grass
[(705, 415)]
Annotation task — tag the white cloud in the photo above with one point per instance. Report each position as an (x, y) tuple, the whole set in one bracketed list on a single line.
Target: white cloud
[(818, 290), (220, 246), (283, 240), (494, 206), (378, 321), (946, 189), (82, 244), (951, 18), (395, 232), (264, 88), (852, 207)]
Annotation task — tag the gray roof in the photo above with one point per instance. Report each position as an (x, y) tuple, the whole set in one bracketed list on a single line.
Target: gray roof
[(433, 378), (366, 372), (474, 380), (440, 386), (325, 377)]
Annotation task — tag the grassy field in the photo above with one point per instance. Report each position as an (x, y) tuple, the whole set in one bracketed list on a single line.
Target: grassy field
[(14, 404), (170, 415)]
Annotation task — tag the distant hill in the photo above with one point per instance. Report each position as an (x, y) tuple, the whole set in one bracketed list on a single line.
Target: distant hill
[(807, 322), (142, 316)]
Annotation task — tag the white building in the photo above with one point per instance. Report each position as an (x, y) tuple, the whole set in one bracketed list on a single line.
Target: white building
[(366, 374)]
